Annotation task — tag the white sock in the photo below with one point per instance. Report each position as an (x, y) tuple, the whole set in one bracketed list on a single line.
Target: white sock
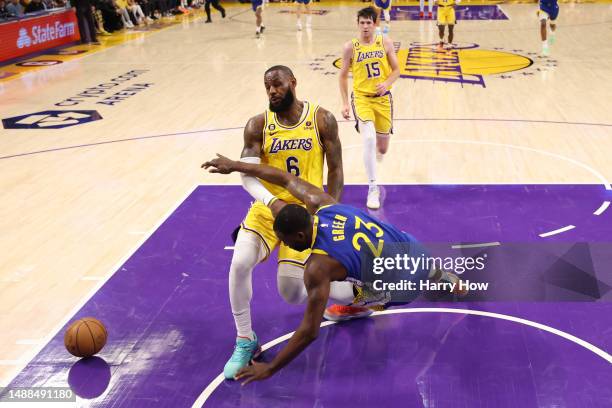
[(430, 6), (422, 5), (544, 43), (248, 252), (341, 292), (387, 16), (309, 20), (368, 133), (243, 323)]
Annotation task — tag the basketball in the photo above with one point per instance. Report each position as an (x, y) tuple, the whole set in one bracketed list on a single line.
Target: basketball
[(85, 337)]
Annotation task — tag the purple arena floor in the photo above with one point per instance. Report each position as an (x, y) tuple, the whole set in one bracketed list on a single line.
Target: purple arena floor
[(170, 327), (472, 12)]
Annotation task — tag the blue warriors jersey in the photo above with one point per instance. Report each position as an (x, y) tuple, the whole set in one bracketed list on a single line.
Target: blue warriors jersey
[(352, 237)]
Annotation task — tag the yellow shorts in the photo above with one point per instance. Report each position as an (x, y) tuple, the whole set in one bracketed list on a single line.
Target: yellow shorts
[(259, 221), (446, 15), (377, 109)]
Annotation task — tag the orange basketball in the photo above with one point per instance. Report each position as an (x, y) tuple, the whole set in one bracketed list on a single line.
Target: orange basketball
[(85, 337)]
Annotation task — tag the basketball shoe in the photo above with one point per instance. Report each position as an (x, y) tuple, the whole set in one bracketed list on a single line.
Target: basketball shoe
[(244, 351), (373, 201), (338, 313)]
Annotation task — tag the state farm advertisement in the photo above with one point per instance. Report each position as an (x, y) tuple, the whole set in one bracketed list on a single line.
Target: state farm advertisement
[(29, 35)]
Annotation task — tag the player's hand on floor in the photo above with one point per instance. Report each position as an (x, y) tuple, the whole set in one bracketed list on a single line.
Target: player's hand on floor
[(345, 112), (221, 165), (255, 372)]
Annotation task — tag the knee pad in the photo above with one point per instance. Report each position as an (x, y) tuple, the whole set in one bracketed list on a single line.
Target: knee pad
[(248, 252), (290, 283)]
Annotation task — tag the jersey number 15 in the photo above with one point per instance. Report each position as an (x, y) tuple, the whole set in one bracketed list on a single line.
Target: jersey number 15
[(373, 69)]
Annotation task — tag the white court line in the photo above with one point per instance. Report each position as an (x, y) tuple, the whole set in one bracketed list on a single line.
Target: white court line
[(229, 248), (92, 278), (95, 289), (591, 170), (483, 245), (604, 207), (210, 388), (557, 231), (597, 174)]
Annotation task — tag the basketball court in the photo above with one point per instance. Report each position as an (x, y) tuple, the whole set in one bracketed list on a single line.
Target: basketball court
[(496, 150)]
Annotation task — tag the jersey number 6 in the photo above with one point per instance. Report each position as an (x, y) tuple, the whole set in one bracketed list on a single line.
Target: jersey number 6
[(292, 166)]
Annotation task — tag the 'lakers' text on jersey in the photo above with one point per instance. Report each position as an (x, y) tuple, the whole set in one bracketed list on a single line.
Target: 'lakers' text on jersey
[(369, 65), (297, 149)]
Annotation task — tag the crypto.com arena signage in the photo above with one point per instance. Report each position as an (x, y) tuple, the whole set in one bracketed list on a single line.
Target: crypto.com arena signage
[(28, 35)]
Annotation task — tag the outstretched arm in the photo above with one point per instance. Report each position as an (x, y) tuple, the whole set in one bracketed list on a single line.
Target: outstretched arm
[(251, 153), (317, 281), (307, 193)]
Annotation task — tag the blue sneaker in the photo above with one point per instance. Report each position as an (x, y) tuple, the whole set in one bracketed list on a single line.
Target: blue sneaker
[(244, 351), (386, 29)]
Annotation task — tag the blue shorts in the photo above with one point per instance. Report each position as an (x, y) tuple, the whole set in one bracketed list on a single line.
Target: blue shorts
[(552, 11), (415, 250), (383, 4), (303, 1), (255, 4)]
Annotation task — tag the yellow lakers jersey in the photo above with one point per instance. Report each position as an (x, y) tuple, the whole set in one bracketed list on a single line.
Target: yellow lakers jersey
[(369, 65), (446, 3), (296, 149)]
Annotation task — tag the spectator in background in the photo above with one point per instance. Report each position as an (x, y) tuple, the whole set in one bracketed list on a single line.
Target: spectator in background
[(3, 13), (34, 6), (145, 6), (14, 8), (215, 4), (160, 7), (98, 21), (121, 6), (137, 12), (110, 16), (85, 20)]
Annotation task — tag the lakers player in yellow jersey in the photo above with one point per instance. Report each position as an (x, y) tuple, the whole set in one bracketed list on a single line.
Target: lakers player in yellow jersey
[(296, 137), (372, 59), (446, 17)]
